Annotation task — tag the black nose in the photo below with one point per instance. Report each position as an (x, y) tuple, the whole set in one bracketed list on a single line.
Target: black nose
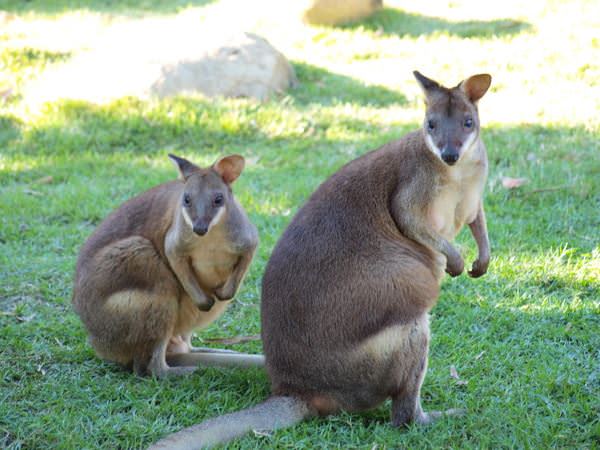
[(200, 229), (450, 157)]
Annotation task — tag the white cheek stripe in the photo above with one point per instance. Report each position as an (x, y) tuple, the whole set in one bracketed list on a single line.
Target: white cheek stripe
[(468, 144), (217, 218), (431, 146), (186, 217)]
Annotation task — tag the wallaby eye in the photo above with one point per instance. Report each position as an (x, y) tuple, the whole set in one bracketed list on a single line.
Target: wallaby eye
[(468, 122), (430, 125), (218, 201), (187, 201)]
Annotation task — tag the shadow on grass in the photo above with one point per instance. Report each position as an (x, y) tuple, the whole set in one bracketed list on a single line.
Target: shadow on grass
[(10, 130), (102, 6), (329, 88), (394, 22), (127, 126)]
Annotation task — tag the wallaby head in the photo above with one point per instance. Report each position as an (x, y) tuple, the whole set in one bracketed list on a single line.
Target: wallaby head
[(207, 192), (451, 124)]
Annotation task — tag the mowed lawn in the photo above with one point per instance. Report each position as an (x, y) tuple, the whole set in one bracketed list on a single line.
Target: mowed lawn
[(524, 340)]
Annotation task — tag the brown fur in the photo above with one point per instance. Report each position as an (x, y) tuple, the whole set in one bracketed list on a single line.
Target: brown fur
[(355, 273), (128, 289), (348, 288)]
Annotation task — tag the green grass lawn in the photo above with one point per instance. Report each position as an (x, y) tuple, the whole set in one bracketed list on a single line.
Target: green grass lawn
[(524, 339)]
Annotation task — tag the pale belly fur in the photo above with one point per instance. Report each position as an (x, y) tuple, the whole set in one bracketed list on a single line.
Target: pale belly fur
[(396, 339), (213, 260), (453, 208)]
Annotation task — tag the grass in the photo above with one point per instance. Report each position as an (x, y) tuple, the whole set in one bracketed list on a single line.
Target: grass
[(525, 338)]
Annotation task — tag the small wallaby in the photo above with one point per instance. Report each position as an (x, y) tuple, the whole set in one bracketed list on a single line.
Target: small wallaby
[(347, 290), (150, 273)]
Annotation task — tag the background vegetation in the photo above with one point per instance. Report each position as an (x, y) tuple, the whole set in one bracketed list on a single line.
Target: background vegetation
[(524, 340)]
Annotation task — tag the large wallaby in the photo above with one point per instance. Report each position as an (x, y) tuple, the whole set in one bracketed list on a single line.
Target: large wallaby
[(150, 273), (346, 293)]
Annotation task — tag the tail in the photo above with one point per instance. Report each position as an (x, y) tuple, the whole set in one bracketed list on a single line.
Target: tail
[(272, 414)]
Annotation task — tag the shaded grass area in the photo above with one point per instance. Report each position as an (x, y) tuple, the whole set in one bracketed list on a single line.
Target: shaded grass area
[(524, 339), (134, 7), (326, 88), (395, 22)]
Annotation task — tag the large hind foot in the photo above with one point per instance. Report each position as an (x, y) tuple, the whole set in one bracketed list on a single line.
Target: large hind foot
[(158, 366), (158, 369), (183, 344), (404, 414)]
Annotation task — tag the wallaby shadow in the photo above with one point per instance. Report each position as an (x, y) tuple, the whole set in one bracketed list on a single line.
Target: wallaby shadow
[(127, 7), (395, 22)]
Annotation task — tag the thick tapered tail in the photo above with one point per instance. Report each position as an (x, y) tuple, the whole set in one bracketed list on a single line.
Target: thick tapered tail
[(272, 414)]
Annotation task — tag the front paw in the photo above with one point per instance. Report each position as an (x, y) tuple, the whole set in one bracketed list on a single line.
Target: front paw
[(224, 293), (455, 265), (479, 268)]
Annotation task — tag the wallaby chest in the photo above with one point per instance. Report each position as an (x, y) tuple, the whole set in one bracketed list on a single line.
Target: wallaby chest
[(213, 257), (456, 199)]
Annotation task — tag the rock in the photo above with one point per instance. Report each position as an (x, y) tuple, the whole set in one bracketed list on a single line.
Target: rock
[(245, 65), (146, 60), (337, 12)]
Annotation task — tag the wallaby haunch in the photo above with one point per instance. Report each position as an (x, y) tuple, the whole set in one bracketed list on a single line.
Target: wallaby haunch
[(347, 290), (150, 273)]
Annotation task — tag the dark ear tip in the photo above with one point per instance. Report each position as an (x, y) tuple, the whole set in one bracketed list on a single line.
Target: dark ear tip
[(426, 83)]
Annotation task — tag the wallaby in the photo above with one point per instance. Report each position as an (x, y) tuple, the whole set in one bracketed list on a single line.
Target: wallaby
[(150, 273), (347, 290)]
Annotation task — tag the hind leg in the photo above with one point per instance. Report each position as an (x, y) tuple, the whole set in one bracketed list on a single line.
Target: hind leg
[(406, 405), (406, 402), (129, 302), (173, 357), (158, 366)]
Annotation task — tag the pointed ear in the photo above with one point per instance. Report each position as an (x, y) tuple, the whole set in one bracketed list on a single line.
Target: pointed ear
[(476, 86), (185, 167), (229, 167), (426, 84)]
